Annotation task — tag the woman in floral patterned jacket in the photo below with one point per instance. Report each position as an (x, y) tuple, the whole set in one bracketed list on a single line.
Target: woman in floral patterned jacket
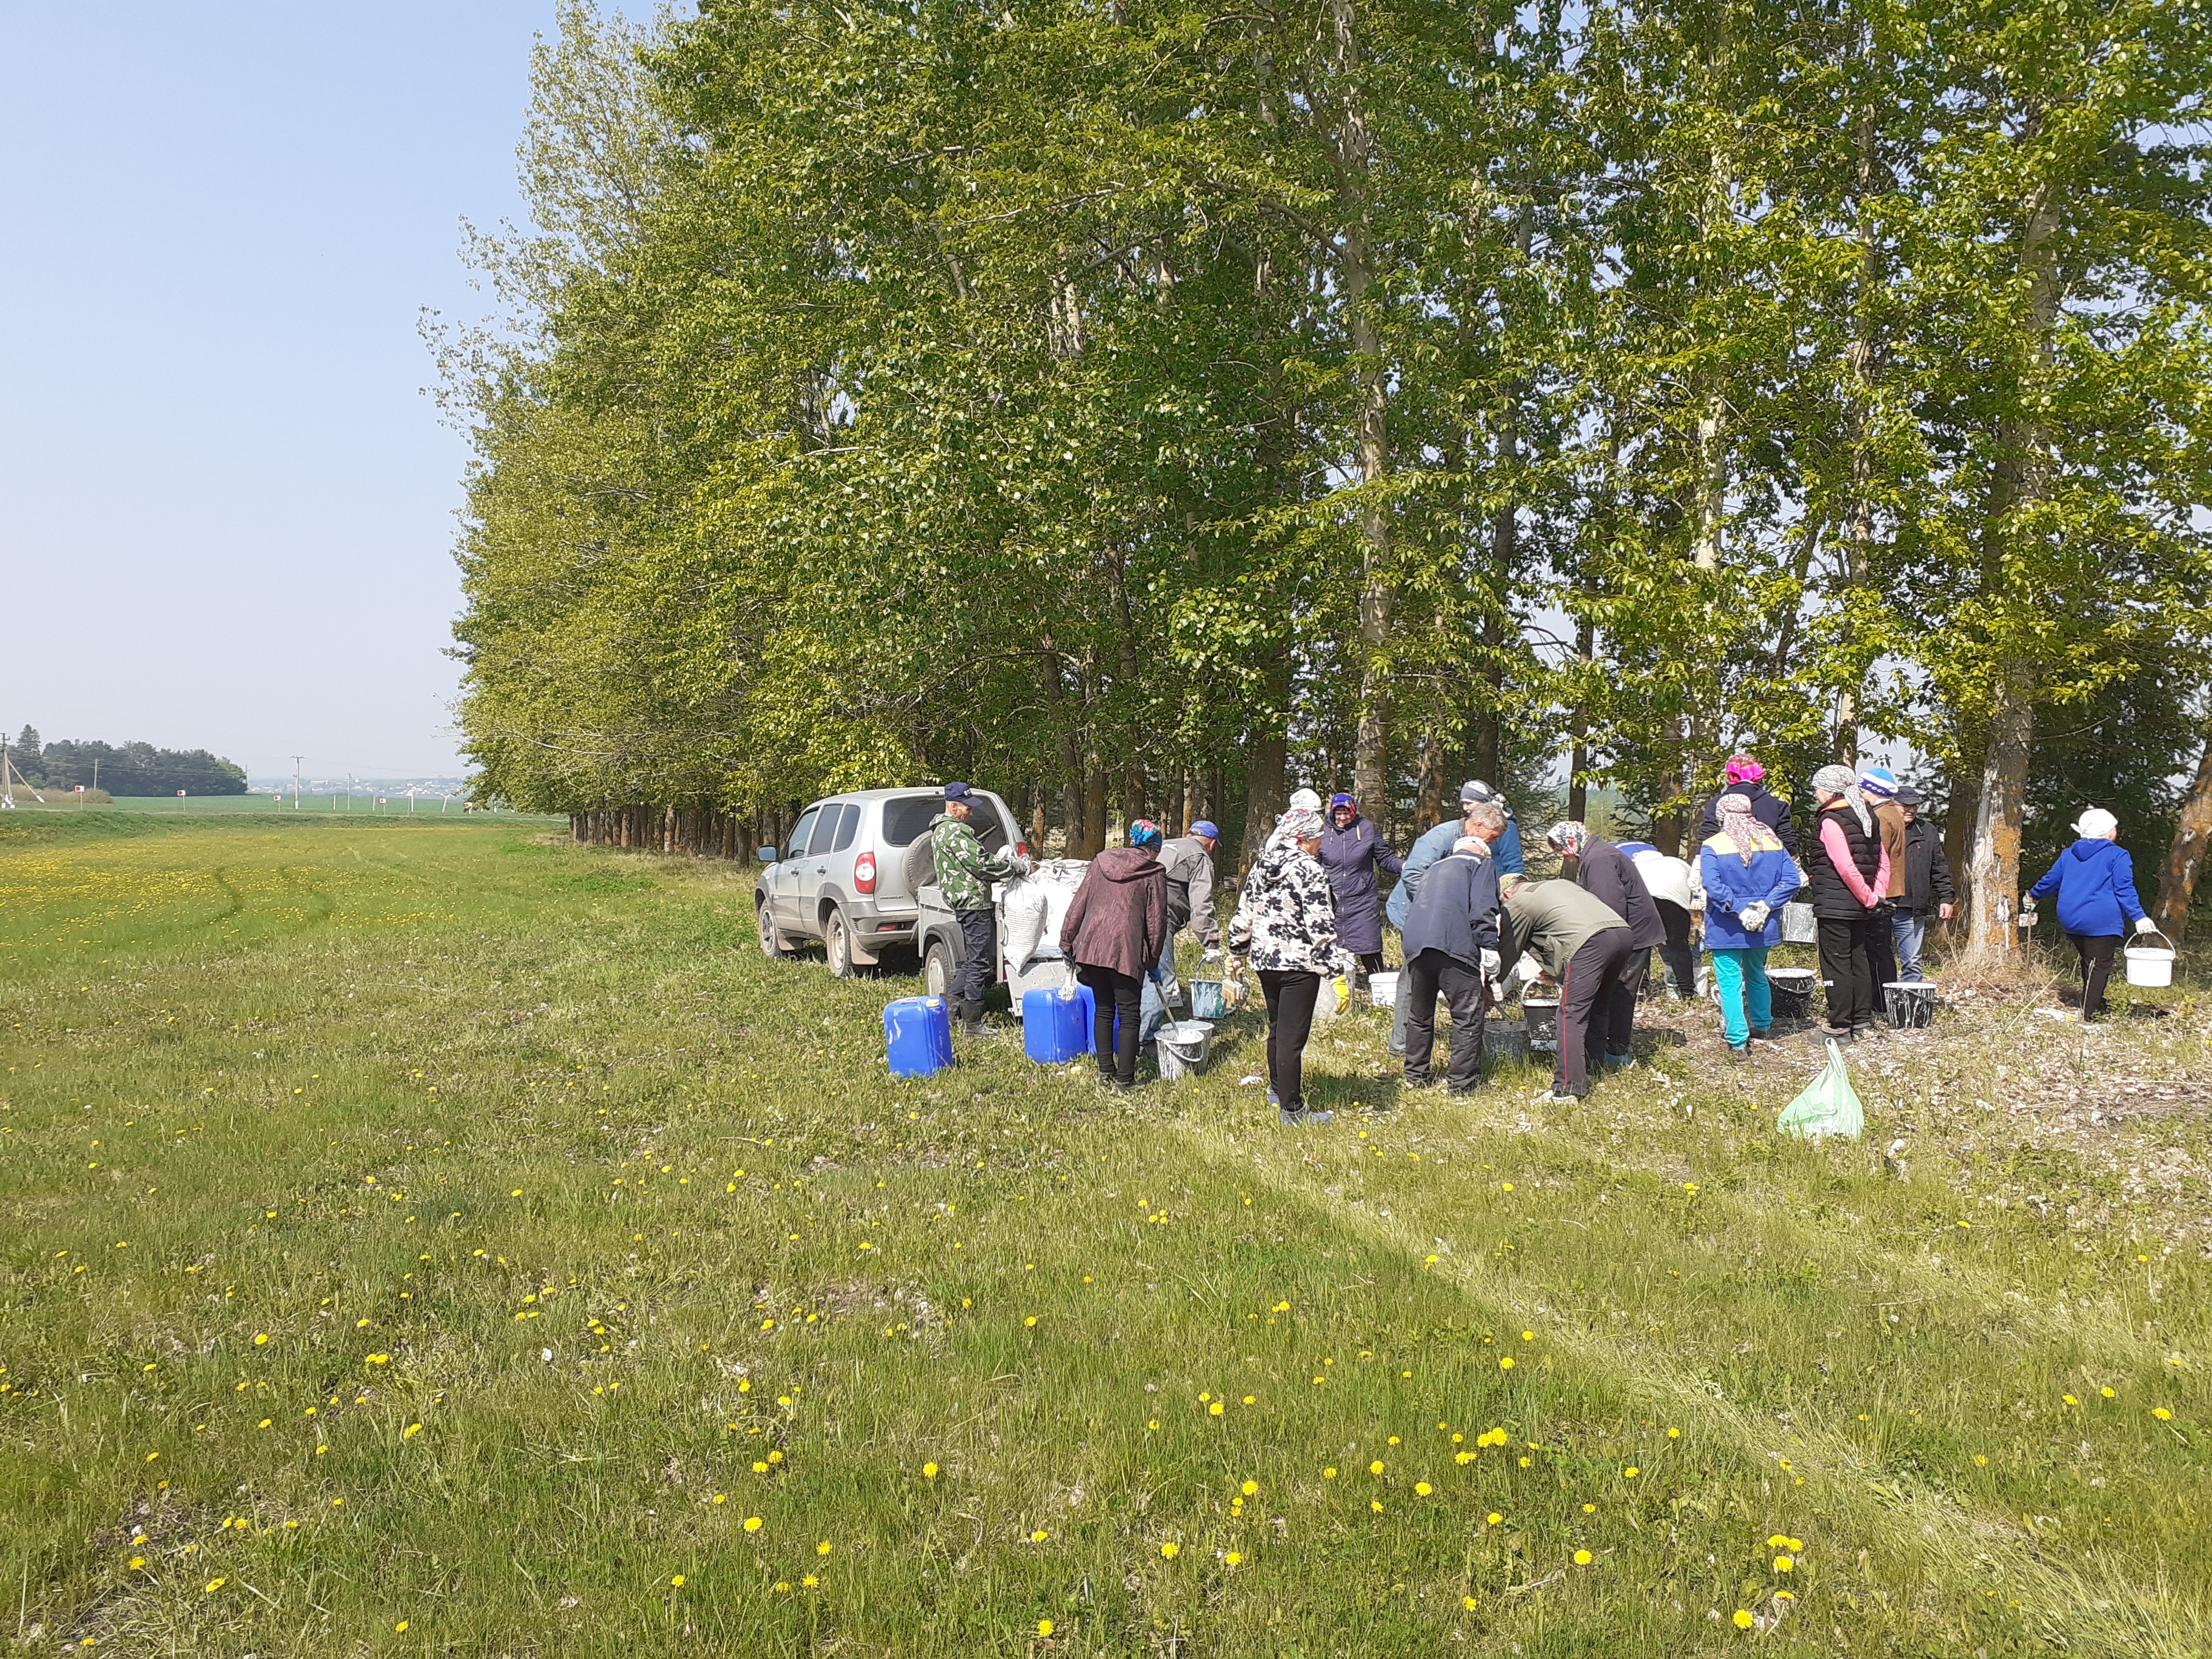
[(1286, 927)]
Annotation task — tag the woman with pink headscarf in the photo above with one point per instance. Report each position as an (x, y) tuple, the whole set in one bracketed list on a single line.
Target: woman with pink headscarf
[(1747, 778)]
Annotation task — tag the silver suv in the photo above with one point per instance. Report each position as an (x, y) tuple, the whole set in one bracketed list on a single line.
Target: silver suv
[(850, 873)]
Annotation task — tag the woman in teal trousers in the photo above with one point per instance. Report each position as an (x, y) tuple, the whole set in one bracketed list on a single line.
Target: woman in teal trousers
[(1747, 876)]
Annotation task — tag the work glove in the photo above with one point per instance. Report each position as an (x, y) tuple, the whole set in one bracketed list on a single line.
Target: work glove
[(1489, 964), (1023, 864), (2145, 925), (1754, 916), (1212, 953)]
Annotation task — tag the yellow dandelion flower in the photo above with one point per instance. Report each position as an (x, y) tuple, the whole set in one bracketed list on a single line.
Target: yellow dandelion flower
[(824, 1547), (400, 1629), (1376, 1504), (215, 1584), (2108, 1394), (2160, 1413), (1743, 1620), (1170, 1550), (1493, 1517), (677, 1579), (1421, 1489), (1039, 1536), (410, 1430), (752, 1523), (1674, 1434), (1467, 1601), (1328, 1473), (929, 1471), (1214, 1410), (2070, 1399), (1045, 1627), (1506, 1363), (1250, 1488), (1526, 1461), (1980, 1460), (1376, 1467), (1031, 1320), (136, 1562), (1783, 1564), (1631, 1472), (1582, 1557)]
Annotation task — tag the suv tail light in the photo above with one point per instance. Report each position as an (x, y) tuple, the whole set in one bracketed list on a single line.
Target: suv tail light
[(1021, 849), (863, 872)]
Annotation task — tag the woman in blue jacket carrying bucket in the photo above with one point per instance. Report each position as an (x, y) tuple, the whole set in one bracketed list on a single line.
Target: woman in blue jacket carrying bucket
[(2095, 882), (1747, 876)]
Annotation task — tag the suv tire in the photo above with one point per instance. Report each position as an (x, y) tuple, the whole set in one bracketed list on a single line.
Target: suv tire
[(771, 937), (837, 943), (937, 970)]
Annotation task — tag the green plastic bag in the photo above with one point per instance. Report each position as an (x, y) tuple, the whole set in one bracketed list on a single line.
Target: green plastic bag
[(1829, 1106)]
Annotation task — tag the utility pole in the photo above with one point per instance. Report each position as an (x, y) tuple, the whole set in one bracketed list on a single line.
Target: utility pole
[(297, 759)]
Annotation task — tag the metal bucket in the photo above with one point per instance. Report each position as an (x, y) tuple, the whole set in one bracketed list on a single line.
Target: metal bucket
[(1207, 1000), (1505, 1041), (1911, 1003), (1799, 925), (1184, 1049), (1541, 1016)]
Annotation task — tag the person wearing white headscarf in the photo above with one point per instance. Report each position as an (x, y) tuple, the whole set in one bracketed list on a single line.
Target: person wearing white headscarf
[(2095, 881), (1848, 869)]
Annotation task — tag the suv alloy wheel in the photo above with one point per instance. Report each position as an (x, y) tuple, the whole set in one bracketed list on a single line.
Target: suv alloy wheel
[(837, 943), (771, 941)]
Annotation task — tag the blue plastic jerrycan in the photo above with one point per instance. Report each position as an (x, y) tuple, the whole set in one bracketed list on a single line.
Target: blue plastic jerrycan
[(1055, 1025), (1089, 1038), (918, 1035)]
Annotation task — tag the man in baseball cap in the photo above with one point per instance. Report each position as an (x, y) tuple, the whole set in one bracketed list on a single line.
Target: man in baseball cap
[(1438, 843)]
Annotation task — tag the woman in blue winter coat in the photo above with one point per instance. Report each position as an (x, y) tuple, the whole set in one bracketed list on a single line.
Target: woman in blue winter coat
[(2095, 882), (1352, 850), (1748, 875)]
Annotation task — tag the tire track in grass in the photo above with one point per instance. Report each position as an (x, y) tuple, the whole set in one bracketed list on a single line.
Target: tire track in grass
[(2098, 1608)]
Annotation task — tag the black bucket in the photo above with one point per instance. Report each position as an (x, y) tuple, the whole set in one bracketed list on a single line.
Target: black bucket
[(1911, 1003), (1542, 1015), (1791, 990)]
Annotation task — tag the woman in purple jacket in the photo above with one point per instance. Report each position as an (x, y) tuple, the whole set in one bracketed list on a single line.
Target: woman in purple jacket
[(1352, 851)]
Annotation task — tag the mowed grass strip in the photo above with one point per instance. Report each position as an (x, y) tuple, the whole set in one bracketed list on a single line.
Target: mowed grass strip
[(430, 1237)]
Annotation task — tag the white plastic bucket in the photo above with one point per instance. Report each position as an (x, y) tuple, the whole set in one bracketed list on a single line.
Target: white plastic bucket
[(1383, 990), (2150, 964), (1183, 1048)]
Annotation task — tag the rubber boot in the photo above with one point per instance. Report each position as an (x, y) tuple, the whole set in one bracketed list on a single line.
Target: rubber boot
[(970, 1010)]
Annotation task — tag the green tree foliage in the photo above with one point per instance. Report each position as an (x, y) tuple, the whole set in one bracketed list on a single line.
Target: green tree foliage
[(1131, 406), (130, 769)]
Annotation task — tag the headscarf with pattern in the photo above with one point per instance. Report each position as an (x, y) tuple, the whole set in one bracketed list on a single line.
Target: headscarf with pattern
[(1299, 824), (1145, 833), (1567, 837), (1739, 824), (1842, 780)]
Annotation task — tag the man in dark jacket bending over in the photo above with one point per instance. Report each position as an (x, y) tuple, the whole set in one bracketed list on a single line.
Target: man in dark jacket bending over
[(1450, 937), (1610, 876)]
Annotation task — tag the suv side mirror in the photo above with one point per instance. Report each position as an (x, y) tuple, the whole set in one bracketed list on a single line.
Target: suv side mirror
[(765, 854)]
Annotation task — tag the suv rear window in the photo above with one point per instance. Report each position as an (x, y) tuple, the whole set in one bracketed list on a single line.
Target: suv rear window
[(906, 817)]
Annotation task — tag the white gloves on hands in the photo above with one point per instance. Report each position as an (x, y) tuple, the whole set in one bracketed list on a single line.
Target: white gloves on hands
[(2145, 925), (1489, 964), (1754, 916)]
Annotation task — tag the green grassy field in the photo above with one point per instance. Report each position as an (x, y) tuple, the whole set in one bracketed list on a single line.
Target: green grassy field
[(432, 1238), (256, 805)]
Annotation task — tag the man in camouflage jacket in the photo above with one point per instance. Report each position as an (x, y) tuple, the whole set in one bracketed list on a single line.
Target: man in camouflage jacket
[(964, 875)]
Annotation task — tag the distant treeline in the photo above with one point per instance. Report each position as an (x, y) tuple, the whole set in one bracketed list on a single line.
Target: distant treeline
[(130, 769)]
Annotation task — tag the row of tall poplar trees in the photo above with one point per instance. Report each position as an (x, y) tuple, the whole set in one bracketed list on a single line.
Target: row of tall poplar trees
[(1143, 406)]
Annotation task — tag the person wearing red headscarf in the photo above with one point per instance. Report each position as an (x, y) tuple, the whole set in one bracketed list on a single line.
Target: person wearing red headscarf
[(1747, 778)]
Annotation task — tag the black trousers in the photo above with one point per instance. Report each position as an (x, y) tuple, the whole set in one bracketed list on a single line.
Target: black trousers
[(977, 928), (2095, 950), (1681, 961), (1428, 975), (1111, 994), (1885, 958), (1620, 1012), (1290, 999), (1593, 978), (1847, 969)]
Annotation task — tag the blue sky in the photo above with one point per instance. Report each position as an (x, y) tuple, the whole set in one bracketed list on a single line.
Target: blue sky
[(226, 505)]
